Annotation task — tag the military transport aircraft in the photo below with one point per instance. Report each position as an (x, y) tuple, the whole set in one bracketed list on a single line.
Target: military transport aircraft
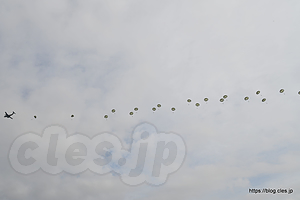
[(9, 116)]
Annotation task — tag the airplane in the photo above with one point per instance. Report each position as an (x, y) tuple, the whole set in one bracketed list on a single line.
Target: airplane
[(9, 116)]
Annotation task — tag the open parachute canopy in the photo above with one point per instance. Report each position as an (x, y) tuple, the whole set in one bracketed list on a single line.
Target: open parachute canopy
[(154, 109), (130, 113), (221, 100), (264, 99), (205, 99), (105, 116), (113, 110), (158, 105), (136, 109), (189, 100), (72, 115), (225, 96), (257, 92), (281, 90), (246, 98), (173, 109), (197, 104)]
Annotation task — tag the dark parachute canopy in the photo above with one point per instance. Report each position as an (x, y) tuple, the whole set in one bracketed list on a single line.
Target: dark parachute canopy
[(225, 96), (246, 98), (264, 99), (173, 109), (281, 90), (221, 100), (189, 100), (299, 92), (131, 113), (205, 99), (197, 104), (113, 110), (72, 115), (154, 109), (136, 109), (105, 116), (158, 105), (34, 116), (257, 92)]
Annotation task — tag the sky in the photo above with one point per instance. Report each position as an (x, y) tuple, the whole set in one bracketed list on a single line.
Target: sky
[(65, 57)]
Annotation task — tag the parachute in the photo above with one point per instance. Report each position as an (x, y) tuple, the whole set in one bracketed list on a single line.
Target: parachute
[(136, 109), (225, 96), (105, 116), (72, 115), (113, 110), (205, 99), (173, 109), (221, 100), (189, 100), (257, 92), (131, 113), (299, 92), (197, 104), (158, 105), (154, 109), (281, 90), (246, 98), (264, 99)]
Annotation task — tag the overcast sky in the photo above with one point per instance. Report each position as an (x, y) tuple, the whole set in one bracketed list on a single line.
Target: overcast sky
[(65, 57)]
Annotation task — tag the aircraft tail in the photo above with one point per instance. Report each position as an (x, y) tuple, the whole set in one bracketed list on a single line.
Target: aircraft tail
[(14, 112)]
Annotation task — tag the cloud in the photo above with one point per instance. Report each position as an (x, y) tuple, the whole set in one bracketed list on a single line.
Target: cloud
[(84, 58)]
